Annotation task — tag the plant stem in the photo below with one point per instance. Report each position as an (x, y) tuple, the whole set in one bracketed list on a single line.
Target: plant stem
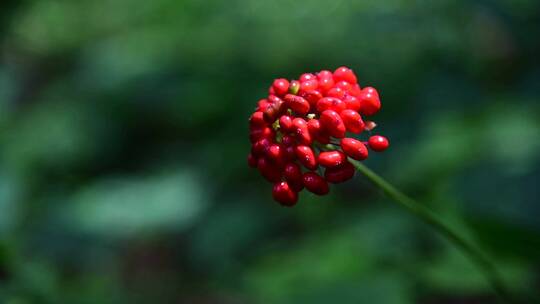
[(476, 256)]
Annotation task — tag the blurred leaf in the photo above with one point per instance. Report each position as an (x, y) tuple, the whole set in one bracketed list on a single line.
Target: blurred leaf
[(129, 206)]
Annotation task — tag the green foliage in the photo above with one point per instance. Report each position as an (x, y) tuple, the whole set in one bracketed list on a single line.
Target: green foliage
[(123, 136)]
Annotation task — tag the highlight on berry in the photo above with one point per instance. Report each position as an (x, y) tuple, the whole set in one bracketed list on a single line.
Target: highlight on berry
[(305, 131)]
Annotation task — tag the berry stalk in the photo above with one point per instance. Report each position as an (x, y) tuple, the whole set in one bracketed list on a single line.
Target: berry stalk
[(472, 252)]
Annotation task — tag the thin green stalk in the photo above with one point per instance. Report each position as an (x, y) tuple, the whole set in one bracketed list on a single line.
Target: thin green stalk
[(476, 256)]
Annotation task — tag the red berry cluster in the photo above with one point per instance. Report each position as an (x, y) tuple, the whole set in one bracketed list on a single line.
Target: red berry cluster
[(309, 122)]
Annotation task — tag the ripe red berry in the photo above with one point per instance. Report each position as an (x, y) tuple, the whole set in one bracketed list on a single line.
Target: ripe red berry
[(276, 154), (345, 86), (352, 120), (331, 103), (336, 92), (326, 82), (281, 86), (259, 148), (354, 148), (268, 170), (339, 174), (332, 158), (265, 132), (355, 90), (309, 85), (302, 131), (318, 107), (284, 194), (346, 74), (317, 133), (286, 123), (352, 102), (312, 97), (307, 76), (378, 143), (332, 122), (293, 175), (297, 104), (262, 105), (369, 101), (272, 111), (315, 183), (325, 74), (288, 140), (256, 121), (306, 157), (290, 153)]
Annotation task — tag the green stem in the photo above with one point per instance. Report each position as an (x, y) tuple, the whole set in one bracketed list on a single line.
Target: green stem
[(476, 256)]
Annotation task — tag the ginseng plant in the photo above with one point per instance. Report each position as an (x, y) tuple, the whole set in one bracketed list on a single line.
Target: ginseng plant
[(305, 126)]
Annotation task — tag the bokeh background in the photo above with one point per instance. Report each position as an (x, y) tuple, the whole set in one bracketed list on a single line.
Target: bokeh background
[(123, 143)]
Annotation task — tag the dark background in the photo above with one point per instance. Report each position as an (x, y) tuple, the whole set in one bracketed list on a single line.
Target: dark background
[(124, 135)]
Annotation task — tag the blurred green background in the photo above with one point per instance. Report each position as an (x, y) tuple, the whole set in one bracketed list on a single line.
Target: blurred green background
[(123, 143)]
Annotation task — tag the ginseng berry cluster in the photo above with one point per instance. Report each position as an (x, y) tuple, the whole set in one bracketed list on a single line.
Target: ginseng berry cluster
[(302, 134)]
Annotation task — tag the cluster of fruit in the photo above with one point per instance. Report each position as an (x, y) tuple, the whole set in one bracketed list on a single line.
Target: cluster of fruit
[(309, 123)]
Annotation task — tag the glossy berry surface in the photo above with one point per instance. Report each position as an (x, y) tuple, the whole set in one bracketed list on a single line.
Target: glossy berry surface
[(303, 133), (378, 143)]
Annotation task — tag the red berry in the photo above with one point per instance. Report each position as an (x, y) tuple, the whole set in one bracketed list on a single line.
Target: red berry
[(331, 103), (355, 90), (316, 107), (325, 83), (268, 170), (265, 132), (352, 120), (290, 153), (346, 74), (378, 143), (256, 121), (262, 105), (259, 148), (309, 85), (370, 90), (332, 122), (315, 183), (297, 104), (336, 92), (276, 154), (339, 174), (286, 123), (369, 101), (312, 97), (281, 86), (345, 86), (302, 131), (352, 102), (325, 74), (288, 140), (252, 161), (354, 148), (293, 175), (316, 131), (274, 109), (307, 76), (306, 156), (314, 127), (273, 99), (332, 158), (284, 194)]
